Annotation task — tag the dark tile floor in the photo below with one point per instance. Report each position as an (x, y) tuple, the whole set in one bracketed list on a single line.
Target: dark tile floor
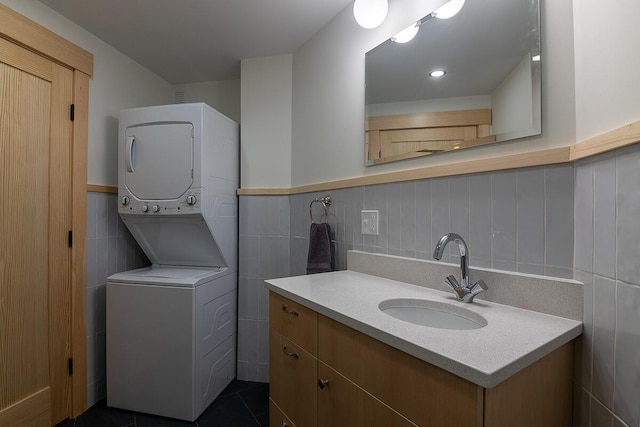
[(241, 404)]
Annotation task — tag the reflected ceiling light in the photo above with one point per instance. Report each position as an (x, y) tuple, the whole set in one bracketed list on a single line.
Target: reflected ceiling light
[(448, 10), (437, 73), (407, 34), (370, 13), (535, 58)]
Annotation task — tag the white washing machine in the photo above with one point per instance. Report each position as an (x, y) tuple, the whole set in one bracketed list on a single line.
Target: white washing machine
[(171, 327), (171, 339)]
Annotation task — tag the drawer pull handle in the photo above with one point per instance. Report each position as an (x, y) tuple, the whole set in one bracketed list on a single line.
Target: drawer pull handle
[(322, 383), (291, 312), (289, 353)]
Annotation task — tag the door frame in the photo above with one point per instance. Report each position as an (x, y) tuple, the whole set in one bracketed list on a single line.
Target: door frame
[(33, 36)]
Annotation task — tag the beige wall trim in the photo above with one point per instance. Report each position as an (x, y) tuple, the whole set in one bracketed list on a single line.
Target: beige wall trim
[(264, 191), (37, 38), (536, 158), (102, 189), (33, 410), (617, 138)]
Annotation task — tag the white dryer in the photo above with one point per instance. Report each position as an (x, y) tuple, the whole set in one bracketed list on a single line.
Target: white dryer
[(171, 327)]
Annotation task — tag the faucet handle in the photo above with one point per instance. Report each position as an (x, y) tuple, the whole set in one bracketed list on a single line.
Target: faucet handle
[(478, 287), (452, 282)]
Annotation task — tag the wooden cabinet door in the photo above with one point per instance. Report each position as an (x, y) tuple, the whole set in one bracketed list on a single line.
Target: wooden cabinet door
[(277, 418), (35, 216), (342, 403), (294, 377)]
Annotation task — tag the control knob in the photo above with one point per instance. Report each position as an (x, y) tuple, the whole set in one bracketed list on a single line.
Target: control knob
[(191, 200), (125, 200), (155, 208), (145, 208)]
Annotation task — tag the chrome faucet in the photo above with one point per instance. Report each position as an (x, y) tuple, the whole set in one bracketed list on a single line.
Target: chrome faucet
[(462, 290)]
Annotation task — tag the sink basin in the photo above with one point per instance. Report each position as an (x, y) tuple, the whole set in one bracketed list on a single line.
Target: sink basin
[(433, 314)]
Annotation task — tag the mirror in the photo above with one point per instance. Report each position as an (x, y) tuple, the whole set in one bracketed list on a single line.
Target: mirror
[(490, 93)]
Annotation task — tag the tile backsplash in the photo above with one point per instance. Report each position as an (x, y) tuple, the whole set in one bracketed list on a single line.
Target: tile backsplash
[(518, 220)]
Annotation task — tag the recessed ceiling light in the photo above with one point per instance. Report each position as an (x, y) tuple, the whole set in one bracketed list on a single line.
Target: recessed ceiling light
[(437, 73)]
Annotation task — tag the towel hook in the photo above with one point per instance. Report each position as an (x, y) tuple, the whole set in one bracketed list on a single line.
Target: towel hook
[(326, 202)]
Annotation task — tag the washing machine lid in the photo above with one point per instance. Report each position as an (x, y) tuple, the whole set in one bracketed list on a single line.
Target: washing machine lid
[(178, 240), (159, 160), (162, 275)]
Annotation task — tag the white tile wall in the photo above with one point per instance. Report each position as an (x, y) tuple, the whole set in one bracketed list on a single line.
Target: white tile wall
[(264, 254), (607, 260), (110, 249)]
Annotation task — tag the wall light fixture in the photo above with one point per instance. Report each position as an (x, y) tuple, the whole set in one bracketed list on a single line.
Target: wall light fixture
[(370, 13)]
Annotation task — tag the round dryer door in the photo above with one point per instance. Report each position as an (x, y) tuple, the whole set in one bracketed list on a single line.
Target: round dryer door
[(159, 160)]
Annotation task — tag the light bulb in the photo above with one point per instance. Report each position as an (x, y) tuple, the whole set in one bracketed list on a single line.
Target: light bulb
[(407, 34), (370, 13), (437, 73), (449, 9)]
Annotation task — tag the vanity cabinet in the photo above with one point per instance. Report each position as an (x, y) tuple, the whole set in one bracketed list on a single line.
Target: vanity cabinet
[(324, 373), (304, 390)]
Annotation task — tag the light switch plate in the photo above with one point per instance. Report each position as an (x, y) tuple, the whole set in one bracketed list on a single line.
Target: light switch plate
[(369, 222)]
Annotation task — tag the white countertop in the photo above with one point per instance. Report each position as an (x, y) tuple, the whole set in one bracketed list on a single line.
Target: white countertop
[(513, 339)]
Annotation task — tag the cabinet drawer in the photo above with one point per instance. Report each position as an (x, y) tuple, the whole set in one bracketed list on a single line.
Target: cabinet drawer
[(342, 403), (277, 418), (294, 380), (296, 322), (423, 393)]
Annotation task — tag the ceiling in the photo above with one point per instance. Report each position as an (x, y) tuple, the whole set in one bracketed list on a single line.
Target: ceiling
[(189, 41)]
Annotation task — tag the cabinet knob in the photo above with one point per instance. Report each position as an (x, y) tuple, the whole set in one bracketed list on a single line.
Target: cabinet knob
[(322, 383), (284, 424)]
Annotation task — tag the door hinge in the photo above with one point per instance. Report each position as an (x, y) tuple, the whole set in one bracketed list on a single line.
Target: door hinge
[(70, 366), (72, 112), (70, 238)]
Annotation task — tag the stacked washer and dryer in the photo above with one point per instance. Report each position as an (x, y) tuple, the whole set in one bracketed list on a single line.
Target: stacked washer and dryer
[(171, 327)]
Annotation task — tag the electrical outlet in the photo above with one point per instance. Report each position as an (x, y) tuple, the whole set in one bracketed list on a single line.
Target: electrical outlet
[(369, 222)]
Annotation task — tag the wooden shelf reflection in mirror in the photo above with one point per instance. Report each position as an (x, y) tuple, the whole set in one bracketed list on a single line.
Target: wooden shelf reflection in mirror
[(405, 136)]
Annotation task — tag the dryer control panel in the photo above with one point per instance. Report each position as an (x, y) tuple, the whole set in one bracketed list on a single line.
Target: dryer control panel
[(187, 204)]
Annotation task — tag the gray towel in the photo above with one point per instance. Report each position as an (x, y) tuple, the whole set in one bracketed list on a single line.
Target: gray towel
[(319, 258)]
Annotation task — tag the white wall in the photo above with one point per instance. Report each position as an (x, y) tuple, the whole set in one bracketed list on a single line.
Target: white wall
[(223, 95), (607, 39), (265, 148), (117, 83), (328, 94)]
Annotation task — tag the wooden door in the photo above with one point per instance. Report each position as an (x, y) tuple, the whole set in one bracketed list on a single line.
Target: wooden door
[(35, 217)]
